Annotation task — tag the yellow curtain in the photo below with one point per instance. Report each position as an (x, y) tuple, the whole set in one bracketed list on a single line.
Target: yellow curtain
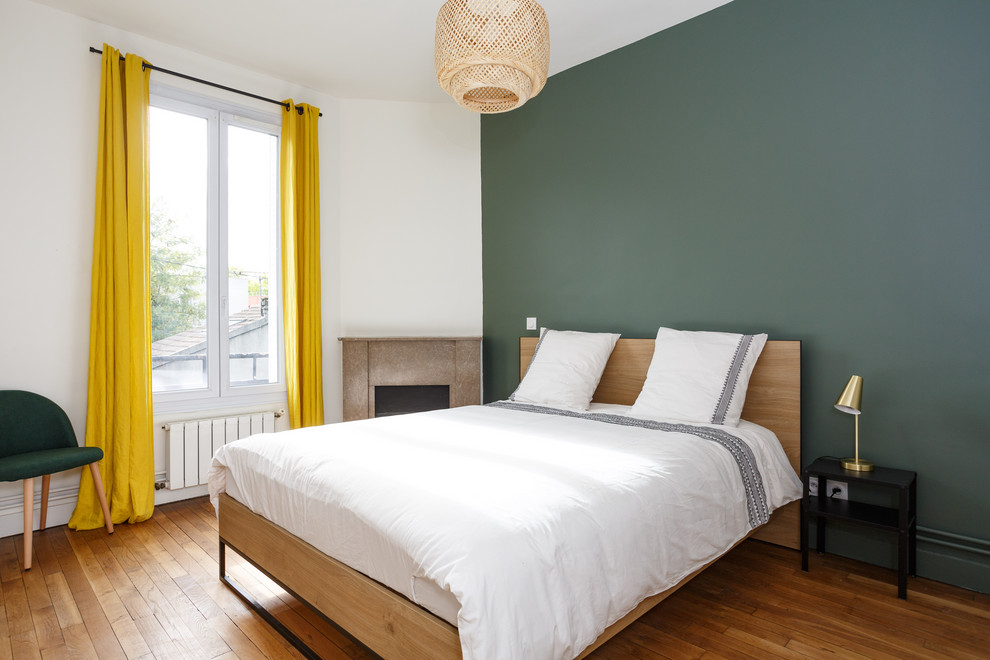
[(118, 408), (300, 190)]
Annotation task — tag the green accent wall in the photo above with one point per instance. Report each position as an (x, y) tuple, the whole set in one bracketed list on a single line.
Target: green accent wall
[(818, 170)]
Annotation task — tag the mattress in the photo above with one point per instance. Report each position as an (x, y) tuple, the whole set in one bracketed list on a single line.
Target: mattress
[(530, 529)]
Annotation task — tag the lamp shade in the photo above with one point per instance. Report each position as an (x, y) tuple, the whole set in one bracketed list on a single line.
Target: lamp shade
[(492, 55), (851, 397)]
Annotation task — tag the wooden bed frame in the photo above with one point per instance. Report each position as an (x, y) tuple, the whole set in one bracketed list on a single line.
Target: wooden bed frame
[(395, 627)]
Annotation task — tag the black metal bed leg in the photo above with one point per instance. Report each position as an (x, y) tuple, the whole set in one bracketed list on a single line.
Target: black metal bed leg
[(279, 627)]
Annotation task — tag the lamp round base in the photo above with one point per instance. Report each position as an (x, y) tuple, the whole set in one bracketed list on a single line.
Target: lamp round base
[(857, 464)]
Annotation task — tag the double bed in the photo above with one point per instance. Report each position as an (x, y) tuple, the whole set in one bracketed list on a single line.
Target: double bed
[(512, 530)]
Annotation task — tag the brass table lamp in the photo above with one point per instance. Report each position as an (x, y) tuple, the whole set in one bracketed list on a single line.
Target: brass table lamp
[(849, 402)]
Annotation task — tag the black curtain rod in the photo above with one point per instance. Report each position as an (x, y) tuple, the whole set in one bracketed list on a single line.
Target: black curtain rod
[(207, 82)]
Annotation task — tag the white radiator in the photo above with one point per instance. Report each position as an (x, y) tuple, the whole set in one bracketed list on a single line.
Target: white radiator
[(191, 444)]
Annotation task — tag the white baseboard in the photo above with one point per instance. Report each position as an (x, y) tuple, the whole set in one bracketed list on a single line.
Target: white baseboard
[(165, 496), (62, 502)]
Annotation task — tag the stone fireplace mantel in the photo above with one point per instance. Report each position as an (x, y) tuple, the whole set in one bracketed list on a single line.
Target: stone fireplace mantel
[(389, 361)]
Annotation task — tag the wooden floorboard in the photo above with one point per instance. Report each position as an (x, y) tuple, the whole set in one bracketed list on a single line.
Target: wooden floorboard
[(151, 591)]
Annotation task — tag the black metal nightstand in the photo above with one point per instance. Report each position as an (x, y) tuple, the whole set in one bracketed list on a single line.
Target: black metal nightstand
[(903, 519)]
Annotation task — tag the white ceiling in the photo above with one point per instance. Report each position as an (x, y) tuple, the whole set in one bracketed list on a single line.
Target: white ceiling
[(375, 49)]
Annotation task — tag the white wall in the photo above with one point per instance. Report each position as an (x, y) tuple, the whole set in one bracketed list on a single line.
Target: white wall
[(48, 134), (410, 220)]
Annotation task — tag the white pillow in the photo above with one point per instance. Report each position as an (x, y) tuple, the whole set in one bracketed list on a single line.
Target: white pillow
[(565, 368), (698, 377)]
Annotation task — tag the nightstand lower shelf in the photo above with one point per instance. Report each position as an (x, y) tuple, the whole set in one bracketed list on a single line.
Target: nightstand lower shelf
[(859, 512)]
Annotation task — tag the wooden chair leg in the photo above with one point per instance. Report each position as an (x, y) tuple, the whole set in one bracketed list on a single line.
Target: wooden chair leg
[(98, 483), (46, 481), (28, 521)]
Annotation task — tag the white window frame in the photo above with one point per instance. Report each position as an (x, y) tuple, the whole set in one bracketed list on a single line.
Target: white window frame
[(219, 394)]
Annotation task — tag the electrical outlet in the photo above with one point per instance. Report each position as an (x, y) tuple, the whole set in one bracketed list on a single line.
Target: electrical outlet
[(837, 490), (813, 486), (531, 323)]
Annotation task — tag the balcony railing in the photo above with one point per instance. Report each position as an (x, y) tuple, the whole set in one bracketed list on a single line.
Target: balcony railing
[(159, 361)]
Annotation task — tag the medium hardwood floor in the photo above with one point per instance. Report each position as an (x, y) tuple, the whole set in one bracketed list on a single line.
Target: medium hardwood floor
[(151, 591)]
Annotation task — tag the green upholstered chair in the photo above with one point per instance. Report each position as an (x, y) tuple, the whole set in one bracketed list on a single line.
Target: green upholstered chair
[(37, 440)]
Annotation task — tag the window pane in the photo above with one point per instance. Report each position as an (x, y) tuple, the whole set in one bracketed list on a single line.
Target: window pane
[(252, 223), (178, 251)]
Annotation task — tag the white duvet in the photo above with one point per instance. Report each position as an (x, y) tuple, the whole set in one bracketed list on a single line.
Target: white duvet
[(545, 529)]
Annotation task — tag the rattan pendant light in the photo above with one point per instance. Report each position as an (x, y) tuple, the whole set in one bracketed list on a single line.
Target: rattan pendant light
[(492, 55)]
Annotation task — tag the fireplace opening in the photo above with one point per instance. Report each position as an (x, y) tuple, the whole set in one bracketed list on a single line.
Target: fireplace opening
[(402, 399)]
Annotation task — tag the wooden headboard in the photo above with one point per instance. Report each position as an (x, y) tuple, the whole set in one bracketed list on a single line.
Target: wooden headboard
[(773, 400)]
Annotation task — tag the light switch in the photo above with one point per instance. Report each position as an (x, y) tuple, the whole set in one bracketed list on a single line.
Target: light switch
[(531, 323)]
